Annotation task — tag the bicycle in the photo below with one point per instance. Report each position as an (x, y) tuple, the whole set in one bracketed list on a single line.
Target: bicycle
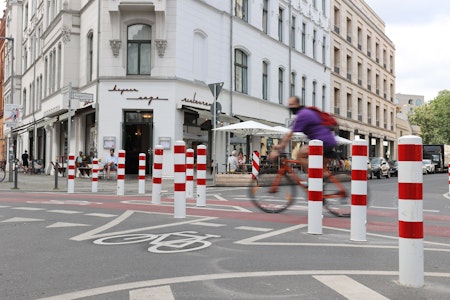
[(173, 242), (2, 171), (274, 190)]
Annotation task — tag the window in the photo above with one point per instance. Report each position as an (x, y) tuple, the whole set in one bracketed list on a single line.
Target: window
[(139, 49), (24, 101), (90, 55), (280, 24), (293, 32), (314, 102), (324, 7), (280, 85), (314, 44), (265, 81), (265, 14), (241, 7), (240, 71), (303, 37), (324, 91), (303, 90), (292, 84), (324, 44)]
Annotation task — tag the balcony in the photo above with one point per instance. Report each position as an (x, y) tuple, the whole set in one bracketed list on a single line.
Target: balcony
[(369, 87), (359, 47), (336, 29), (385, 126), (360, 118), (336, 110), (349, 114), (377, 60), (377, 91), (384, 66), (368, 53), (349, 76), (385, 96), (359, 81), (369, 120), (349, 38), (336, 70), (377, 123)]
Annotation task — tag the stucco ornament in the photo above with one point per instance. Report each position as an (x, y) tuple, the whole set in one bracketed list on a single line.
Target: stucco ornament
[(65, 34), (161, 46), (115, 46)]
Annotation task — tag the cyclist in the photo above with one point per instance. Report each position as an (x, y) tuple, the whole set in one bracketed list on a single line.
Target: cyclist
[(310, 123)]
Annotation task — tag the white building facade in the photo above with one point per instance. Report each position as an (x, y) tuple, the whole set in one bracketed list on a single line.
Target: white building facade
[(144, 69)]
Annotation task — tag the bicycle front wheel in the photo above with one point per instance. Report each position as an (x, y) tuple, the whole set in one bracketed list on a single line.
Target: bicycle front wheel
[(273, 193), (2, 174), (336, 200)]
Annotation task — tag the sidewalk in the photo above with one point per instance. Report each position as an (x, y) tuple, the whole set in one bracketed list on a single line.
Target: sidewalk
[(46, 183)]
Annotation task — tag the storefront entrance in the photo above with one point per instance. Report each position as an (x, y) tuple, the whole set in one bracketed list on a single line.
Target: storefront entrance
[(138, 138)]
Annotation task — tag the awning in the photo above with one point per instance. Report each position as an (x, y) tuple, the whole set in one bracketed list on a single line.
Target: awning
[(206, 114), (244, 118)]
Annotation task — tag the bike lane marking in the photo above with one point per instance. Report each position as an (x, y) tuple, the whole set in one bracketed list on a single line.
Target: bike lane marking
[(222, 276), (349, 288), (160, 292)]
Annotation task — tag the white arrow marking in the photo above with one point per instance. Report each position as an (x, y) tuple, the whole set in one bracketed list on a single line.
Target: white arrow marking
[(160, 292), (63, 224)]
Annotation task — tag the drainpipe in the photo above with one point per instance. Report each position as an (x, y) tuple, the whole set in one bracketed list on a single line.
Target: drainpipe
[(97, 109), (231, 58)]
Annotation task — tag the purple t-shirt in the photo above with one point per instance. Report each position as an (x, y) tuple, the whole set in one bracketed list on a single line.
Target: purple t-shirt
[(310, 123)]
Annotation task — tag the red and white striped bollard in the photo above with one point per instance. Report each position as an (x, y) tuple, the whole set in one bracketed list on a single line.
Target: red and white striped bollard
[(201, 175), (449, 178), (157, 174), (359, 191), (410, 211), (255, 165), (121, 173), (190, 173), (71, 174), (315, 186), (141, 175), (95, 175), (179, 180)]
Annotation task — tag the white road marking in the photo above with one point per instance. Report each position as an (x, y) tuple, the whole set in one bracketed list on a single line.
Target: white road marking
[(27, 208), (67, 212), (395, 208), (223, 276), (349, 288), (4, 206), (254, 228), (63, 224), (219, 197), (155, 293), (208, 224), (100, 215), (96, 233), (17, 219)]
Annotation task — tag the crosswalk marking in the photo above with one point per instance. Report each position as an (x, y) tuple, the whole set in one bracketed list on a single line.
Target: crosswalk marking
[(62, 211), (208, 224), (101, 215), (349, 288), (64, 224), (155, 293), (261, 229), (17, 219), (27, 208)]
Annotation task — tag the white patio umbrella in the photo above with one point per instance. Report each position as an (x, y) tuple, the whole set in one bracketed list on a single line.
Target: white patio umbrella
[(342, 141), (281, 131), (246, 128)]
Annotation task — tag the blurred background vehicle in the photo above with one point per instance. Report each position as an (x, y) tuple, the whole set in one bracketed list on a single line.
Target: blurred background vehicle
[(380, 167), (424, 168), (369, 170), (430, 166), (393, 168)]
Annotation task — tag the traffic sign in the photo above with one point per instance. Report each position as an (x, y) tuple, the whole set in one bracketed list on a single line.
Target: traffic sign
[(82, 96), (216, 88)]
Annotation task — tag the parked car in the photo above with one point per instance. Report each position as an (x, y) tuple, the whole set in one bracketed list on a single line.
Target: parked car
[(393, 168), (424, 168), (380, 167), (430, 166), (369, 170)]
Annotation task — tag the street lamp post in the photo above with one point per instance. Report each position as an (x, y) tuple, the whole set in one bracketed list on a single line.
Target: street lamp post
[(11, 154)]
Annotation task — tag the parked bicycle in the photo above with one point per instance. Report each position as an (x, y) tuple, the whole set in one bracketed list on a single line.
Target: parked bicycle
[(173, 242), (2, 170), (276, 189)]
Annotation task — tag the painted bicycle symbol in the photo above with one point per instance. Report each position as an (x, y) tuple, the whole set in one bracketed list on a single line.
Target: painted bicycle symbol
[(173, 242)]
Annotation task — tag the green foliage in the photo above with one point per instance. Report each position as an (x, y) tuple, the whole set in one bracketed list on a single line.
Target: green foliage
[(434, 119)]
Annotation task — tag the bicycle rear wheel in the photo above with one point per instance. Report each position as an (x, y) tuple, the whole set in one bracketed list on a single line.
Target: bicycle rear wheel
[(2, 174), (336, 200), (270, 197)]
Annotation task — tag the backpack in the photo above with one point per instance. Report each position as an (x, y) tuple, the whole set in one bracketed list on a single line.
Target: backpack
[(327, 119)]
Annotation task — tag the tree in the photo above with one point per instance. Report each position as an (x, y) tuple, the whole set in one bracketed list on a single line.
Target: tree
[(434, 119)]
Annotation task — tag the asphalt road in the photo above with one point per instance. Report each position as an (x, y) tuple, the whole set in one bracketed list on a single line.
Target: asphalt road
[(57, 245)]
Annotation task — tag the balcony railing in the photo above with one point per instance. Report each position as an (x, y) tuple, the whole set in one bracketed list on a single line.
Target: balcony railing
[(349, 76), (336, 110), (336, 70), (360, 118)]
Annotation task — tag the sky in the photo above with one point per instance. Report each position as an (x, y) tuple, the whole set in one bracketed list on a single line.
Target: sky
[(420, 32)]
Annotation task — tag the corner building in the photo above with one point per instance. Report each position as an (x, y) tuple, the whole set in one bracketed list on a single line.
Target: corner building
[(140, 70), (363, 77)]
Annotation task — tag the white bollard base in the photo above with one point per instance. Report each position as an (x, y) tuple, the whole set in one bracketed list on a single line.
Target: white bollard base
[(201, 195), (358, 223), (315, 217), (411, 263)]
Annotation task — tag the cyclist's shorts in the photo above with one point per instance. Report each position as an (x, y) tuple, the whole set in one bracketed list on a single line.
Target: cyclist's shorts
[(329, 152)]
